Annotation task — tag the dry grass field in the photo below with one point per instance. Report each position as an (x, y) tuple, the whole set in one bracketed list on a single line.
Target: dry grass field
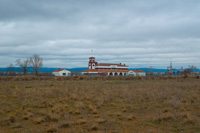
[(100, 105)]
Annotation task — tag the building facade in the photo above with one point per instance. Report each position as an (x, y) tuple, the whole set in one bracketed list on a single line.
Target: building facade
[(110, 69), (136, 73), (61, 72)]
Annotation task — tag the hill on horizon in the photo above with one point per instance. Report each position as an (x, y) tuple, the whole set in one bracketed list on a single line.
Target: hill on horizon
[(78, 69)]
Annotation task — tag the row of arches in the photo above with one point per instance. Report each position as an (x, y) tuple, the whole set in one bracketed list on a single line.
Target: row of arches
[(117, 74)]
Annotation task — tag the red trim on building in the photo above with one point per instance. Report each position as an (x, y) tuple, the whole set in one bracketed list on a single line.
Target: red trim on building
[(139, 71), (99, 70), (109, 64), (95, 70), (59, 70)]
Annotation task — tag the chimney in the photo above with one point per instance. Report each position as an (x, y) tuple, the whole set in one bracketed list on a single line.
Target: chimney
[(124, 64), (120, 63)]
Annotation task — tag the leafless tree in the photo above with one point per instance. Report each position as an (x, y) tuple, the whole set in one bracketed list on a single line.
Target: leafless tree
[(24, 64), (11, 70), (191, 69), (36, 63), (11, 67)]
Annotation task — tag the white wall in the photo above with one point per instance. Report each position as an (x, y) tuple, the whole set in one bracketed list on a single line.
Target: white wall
[(132, 73), (60, 73), (141, 74), (93, 65), (111, 67)]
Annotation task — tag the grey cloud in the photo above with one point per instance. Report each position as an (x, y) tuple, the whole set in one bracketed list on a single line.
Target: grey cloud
[(138, 33)]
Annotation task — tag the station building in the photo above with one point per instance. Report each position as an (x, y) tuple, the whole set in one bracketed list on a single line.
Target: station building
[(110, 69)]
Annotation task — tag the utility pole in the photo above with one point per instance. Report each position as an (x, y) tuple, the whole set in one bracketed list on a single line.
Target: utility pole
[(170, 71), (150, 70)]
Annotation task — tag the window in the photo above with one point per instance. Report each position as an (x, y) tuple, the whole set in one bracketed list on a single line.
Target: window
[(64, 73)]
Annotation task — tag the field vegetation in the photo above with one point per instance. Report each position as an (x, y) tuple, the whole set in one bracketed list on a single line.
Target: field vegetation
[(99, 104)]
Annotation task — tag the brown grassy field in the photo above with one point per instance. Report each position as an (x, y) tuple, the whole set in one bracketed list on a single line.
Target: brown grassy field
[(139, 105)]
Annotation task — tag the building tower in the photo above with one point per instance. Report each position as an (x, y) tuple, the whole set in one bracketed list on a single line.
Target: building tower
[(92, 63)]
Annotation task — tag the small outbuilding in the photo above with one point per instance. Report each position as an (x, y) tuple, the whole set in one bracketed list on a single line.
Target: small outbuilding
[(61, 72), (136, 73)]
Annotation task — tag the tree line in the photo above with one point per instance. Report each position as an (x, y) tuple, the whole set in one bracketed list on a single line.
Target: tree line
[(35, 62)]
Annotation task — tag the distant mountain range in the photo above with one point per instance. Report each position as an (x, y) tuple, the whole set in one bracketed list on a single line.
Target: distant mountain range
[(48, 69), (147, 69), (43, 69)]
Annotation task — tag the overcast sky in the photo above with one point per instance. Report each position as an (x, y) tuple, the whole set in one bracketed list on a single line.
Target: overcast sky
[(139, 33)]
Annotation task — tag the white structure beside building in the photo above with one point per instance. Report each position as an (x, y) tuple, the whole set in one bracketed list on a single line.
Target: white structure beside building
[(136, 73), (61, 72)]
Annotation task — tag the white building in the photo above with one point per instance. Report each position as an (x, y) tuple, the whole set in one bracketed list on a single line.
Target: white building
[(136, 73), (110, 69), (105, 69), (61, 72)]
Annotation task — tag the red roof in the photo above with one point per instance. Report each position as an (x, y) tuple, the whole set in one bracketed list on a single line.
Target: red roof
[(95, 70), (59, 70), (109, 64), (138, 71)]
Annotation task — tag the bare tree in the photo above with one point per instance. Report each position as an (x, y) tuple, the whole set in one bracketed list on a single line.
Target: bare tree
[(11, 70), (24, 64), (191, 69), (36, 63)]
